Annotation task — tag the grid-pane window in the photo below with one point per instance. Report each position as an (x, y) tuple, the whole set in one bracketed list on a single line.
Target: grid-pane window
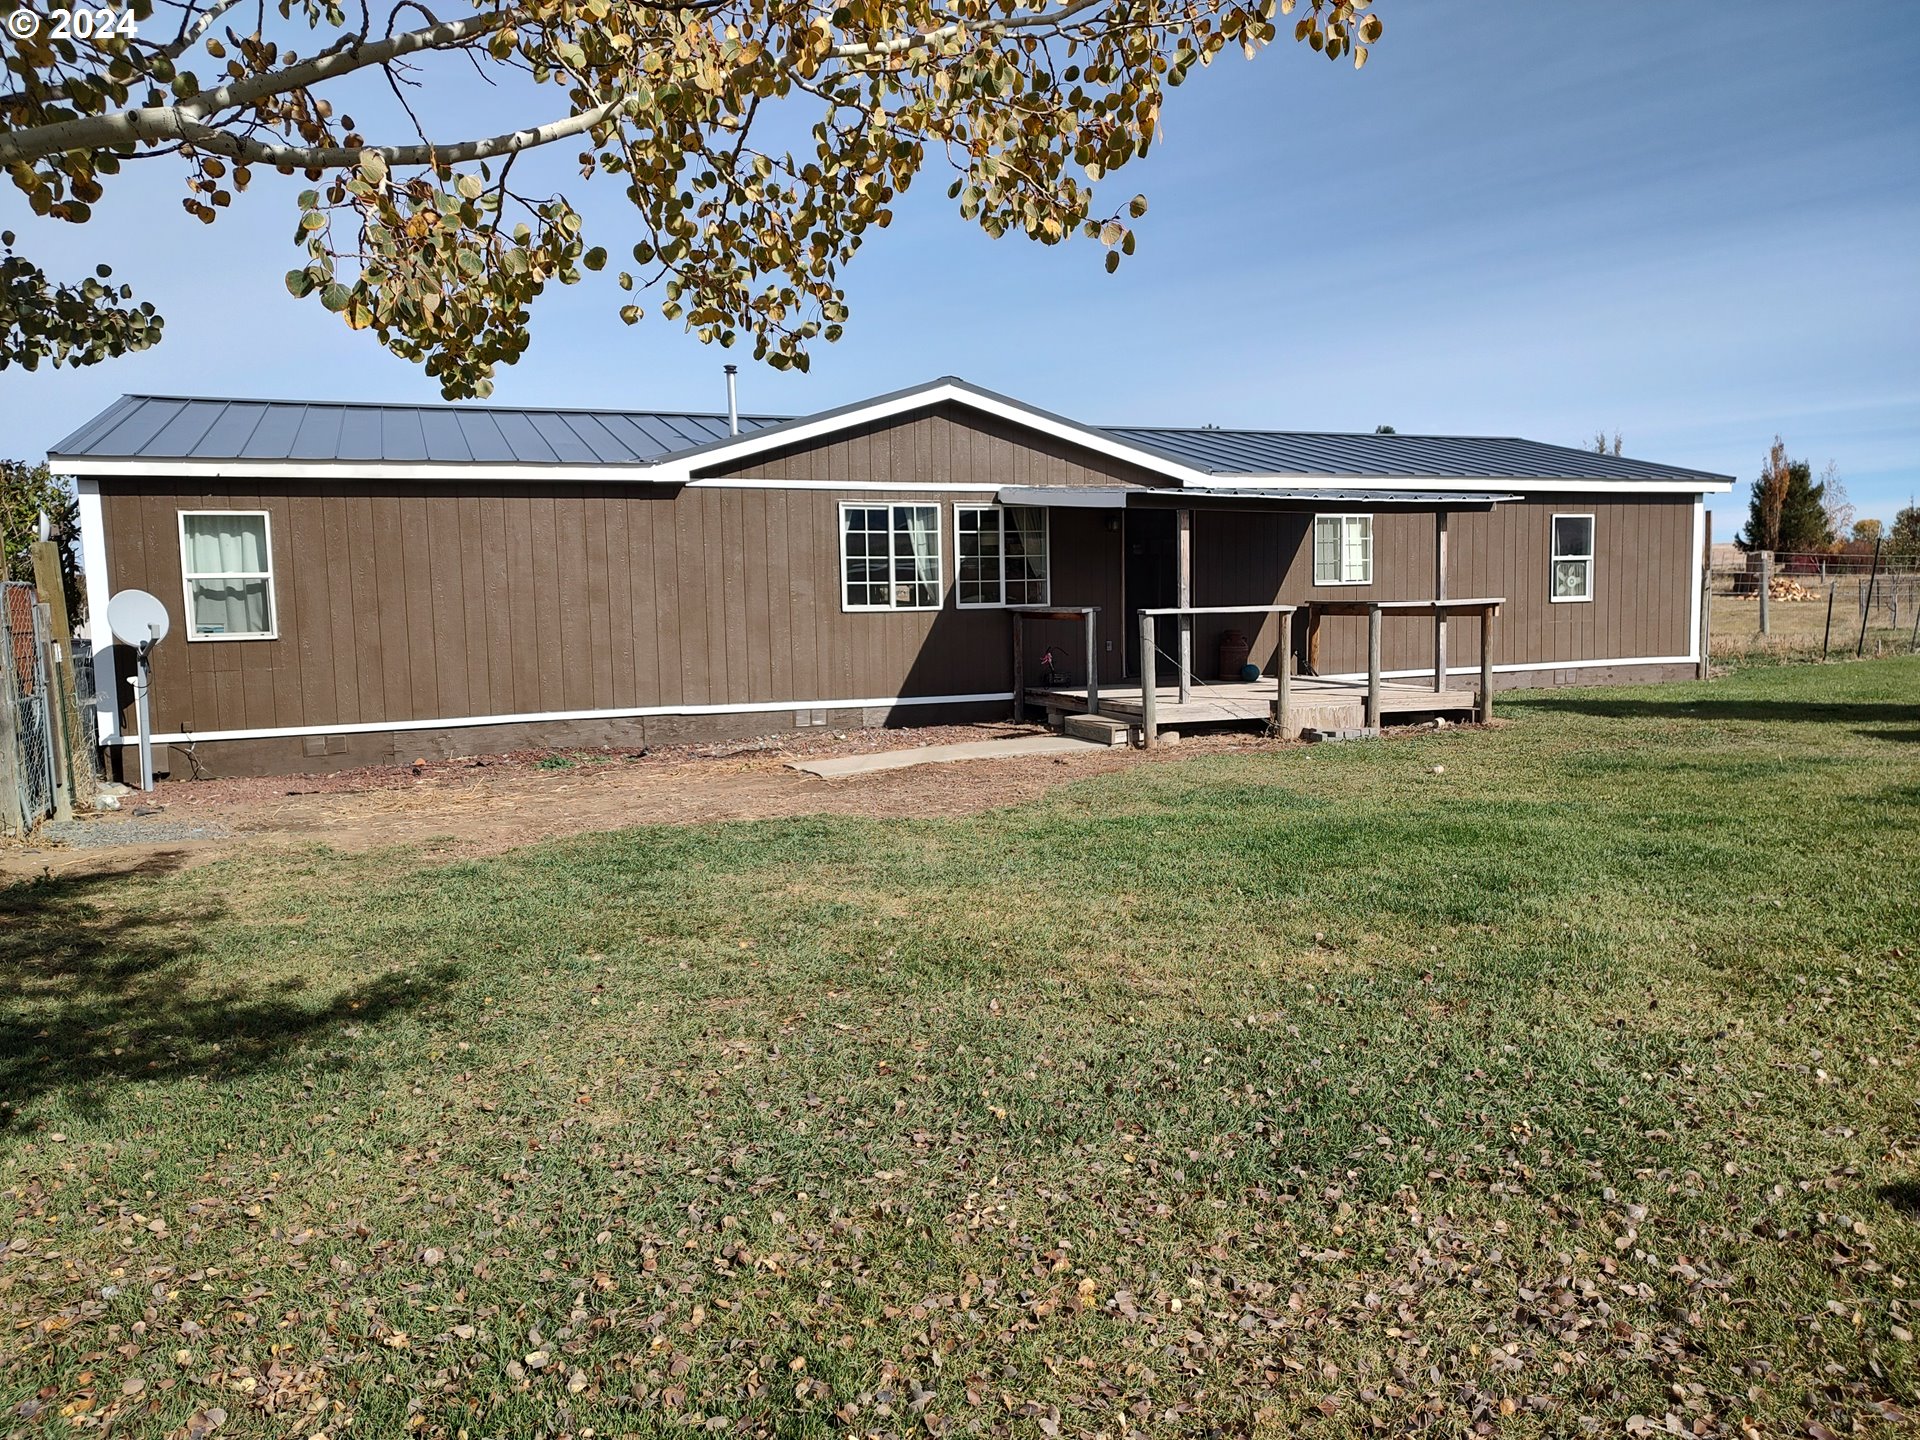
[(1573, 557), (890, 557), (1000, 554), (1343, 549), (227, 560)]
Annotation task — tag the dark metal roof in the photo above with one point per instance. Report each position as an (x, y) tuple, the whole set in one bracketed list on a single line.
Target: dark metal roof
[(154, 427), (1407, 457)]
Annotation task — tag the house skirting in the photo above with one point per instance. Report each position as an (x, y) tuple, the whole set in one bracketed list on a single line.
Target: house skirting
[(320, 751), (294, 752)]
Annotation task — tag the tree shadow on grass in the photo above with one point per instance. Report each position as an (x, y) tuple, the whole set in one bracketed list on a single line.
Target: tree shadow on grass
[(1816, 712), (100, 990)]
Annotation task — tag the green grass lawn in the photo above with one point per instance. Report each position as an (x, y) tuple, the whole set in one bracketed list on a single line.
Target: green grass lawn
[(1570, 1090)]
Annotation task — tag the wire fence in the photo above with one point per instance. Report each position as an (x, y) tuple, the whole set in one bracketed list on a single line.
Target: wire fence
[(1853, 613), (27, 774)]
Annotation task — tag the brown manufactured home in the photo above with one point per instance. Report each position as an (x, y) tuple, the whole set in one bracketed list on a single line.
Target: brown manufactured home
[(360, 583)]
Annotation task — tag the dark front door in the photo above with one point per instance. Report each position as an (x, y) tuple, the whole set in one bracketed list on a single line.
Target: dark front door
[(1153, 579)]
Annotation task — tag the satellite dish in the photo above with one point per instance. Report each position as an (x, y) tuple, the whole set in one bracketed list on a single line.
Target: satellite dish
[(137, 618)]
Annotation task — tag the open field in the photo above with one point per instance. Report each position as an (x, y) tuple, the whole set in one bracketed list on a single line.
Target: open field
[(1798, 627), (1569, 1090)]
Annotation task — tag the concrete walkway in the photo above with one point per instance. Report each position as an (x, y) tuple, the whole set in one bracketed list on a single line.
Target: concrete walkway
[(843, 766)]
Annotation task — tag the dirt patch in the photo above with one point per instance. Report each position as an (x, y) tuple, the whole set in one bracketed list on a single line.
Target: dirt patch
[(485, 804)]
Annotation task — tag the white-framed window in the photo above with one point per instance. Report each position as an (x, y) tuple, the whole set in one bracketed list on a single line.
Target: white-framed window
[(999, 555), (889, 557), (226, 564), (1572, 558), (1343, 549)]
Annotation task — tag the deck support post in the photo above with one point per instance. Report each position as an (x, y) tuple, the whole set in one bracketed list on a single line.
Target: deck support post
[(1313, 639), (1373, 667), (1440, 594), (1185, 518), (1019, 669), (1093, 667), (1147, 682), (1486, 663), (1283, 698)]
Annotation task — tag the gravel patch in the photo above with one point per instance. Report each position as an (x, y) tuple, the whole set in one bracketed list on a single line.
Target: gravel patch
[(128, 830)]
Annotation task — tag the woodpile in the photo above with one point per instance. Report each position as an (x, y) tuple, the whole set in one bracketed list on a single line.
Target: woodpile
[(1785, 587)]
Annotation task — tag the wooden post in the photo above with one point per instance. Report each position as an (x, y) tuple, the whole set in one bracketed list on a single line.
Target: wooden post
[(1373, 667), (1486, 663), (1093, 664), (47, 580), (1766, 592), (1283, 696), (1185, 519), (1019, 667), (1148, 682), (1313, 639), (1706, 594), (1439, 594)]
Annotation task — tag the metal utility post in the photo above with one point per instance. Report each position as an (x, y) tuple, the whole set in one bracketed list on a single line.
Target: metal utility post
[(142, 683), (1866, 604), (1826, 636)]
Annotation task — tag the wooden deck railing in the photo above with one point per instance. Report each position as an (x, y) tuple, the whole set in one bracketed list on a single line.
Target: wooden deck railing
[(1023, 613), (1183, 665), (1485, 606)]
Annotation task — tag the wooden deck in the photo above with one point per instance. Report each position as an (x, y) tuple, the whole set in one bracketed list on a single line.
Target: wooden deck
[(1314, 703)]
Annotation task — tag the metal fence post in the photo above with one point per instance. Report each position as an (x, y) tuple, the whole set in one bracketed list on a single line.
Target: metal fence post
[(1766, 592)]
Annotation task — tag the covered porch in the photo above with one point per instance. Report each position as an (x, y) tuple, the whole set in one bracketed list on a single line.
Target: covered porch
[(1281, 682)]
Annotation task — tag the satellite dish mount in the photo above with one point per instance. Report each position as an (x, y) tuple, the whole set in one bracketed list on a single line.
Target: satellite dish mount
[(138, 619)]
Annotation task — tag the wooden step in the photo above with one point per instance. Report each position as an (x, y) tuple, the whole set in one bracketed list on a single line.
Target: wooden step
[(1100, 729)]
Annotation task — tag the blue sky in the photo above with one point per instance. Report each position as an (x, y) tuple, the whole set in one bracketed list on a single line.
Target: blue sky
[(1697, 225)]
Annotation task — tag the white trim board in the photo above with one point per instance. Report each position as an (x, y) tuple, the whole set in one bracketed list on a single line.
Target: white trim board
[(93, 564), (939, 392), (1519, 666), (461, 722), (456, 472), (1455, 485)]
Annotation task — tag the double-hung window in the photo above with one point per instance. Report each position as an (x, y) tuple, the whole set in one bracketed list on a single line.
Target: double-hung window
[(1572, 557), (1000, 555), (226, 559), (1343, 549), (890, 557)]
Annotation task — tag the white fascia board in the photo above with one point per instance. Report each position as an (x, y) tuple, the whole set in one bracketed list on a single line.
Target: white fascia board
[(681, 467), (457, 472), (93, 565), (1453, 484), (1089, 497), (535, 717)]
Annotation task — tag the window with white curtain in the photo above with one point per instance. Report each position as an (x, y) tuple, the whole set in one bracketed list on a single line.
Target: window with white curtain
[(226, 557), (890, 557), (1000, 555), (1343, 549), (1572, 557)]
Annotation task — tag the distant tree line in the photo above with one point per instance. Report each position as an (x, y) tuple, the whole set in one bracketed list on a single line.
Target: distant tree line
[(1790, 512)]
